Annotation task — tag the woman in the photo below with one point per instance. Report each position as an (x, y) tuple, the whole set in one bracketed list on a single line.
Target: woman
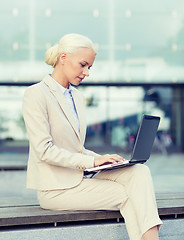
[(54, 114)]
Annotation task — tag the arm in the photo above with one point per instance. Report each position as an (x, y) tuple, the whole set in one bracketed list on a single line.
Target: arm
[(90, 153)]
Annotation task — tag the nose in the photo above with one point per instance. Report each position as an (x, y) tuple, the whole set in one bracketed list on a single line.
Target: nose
[(86, 72)]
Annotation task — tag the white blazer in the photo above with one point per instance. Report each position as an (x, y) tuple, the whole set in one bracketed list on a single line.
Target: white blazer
[(57, 156)]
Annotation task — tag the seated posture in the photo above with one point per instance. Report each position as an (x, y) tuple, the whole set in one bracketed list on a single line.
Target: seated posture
[(54, 115)]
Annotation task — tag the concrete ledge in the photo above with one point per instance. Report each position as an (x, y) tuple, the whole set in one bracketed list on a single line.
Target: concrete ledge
[(22, 212)]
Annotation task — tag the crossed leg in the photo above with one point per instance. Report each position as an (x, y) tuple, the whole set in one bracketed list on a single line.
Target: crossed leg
[(128, 190)]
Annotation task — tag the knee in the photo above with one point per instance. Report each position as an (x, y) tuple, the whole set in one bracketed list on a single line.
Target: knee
[(141, 170)]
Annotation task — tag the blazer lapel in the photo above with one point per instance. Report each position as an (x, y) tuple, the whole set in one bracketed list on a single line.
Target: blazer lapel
[(79, 104), (62, 102)]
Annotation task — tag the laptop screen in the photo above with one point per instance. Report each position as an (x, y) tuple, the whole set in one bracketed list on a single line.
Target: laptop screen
[(145, 137)]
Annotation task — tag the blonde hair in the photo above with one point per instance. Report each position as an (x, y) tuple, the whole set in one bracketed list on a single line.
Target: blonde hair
[(68, 44)]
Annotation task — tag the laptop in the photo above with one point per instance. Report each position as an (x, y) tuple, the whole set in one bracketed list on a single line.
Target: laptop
[(142, 147)]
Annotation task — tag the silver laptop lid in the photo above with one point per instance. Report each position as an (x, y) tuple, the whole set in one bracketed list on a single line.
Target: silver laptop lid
[(145, 137)]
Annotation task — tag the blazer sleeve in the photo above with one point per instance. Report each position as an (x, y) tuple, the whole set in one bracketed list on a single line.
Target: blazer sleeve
[(90, 153), (41, 143)]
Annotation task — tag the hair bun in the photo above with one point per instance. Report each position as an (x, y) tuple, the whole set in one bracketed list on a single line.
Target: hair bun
[(51, 55)]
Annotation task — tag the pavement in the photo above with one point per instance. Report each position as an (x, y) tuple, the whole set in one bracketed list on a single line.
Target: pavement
[(171, 230), (168, 175)]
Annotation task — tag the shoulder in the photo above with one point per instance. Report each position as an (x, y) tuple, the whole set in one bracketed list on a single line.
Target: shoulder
[(35, 93), (32, 92), (34, 98), (35, 89)]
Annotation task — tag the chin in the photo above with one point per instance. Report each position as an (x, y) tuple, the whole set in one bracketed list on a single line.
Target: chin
[(75, 84)]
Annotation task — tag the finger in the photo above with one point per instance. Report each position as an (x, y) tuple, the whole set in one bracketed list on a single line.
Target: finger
[(111, 160), (117, 157)]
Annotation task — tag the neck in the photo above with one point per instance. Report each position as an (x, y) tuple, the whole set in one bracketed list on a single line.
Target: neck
[(58, 76)]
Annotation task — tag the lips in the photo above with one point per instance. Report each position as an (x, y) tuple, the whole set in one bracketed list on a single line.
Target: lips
[(80, 78)]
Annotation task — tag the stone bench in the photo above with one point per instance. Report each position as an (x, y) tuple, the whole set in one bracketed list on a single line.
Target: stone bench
[(21, 212)]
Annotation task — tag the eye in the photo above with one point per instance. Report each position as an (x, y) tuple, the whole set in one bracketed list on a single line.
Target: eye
[(83, 64)]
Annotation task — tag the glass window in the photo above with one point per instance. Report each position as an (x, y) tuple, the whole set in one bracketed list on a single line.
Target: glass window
[(137, 42)]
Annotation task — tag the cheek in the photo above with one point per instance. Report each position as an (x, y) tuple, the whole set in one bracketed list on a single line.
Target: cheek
[(73, 67), (70, 70), (76, 69)]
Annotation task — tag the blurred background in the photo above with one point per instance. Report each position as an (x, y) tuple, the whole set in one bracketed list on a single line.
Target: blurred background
[(139, 70)]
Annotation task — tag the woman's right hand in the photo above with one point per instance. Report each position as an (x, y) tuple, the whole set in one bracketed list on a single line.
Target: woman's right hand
[(108, 158)]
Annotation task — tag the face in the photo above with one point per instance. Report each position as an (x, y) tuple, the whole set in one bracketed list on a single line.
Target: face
[(76, 66)]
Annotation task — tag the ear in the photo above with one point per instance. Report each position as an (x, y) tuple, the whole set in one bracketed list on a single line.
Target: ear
[(62, 58)]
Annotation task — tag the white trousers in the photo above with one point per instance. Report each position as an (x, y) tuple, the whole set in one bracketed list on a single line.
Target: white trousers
[(129, 190)]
